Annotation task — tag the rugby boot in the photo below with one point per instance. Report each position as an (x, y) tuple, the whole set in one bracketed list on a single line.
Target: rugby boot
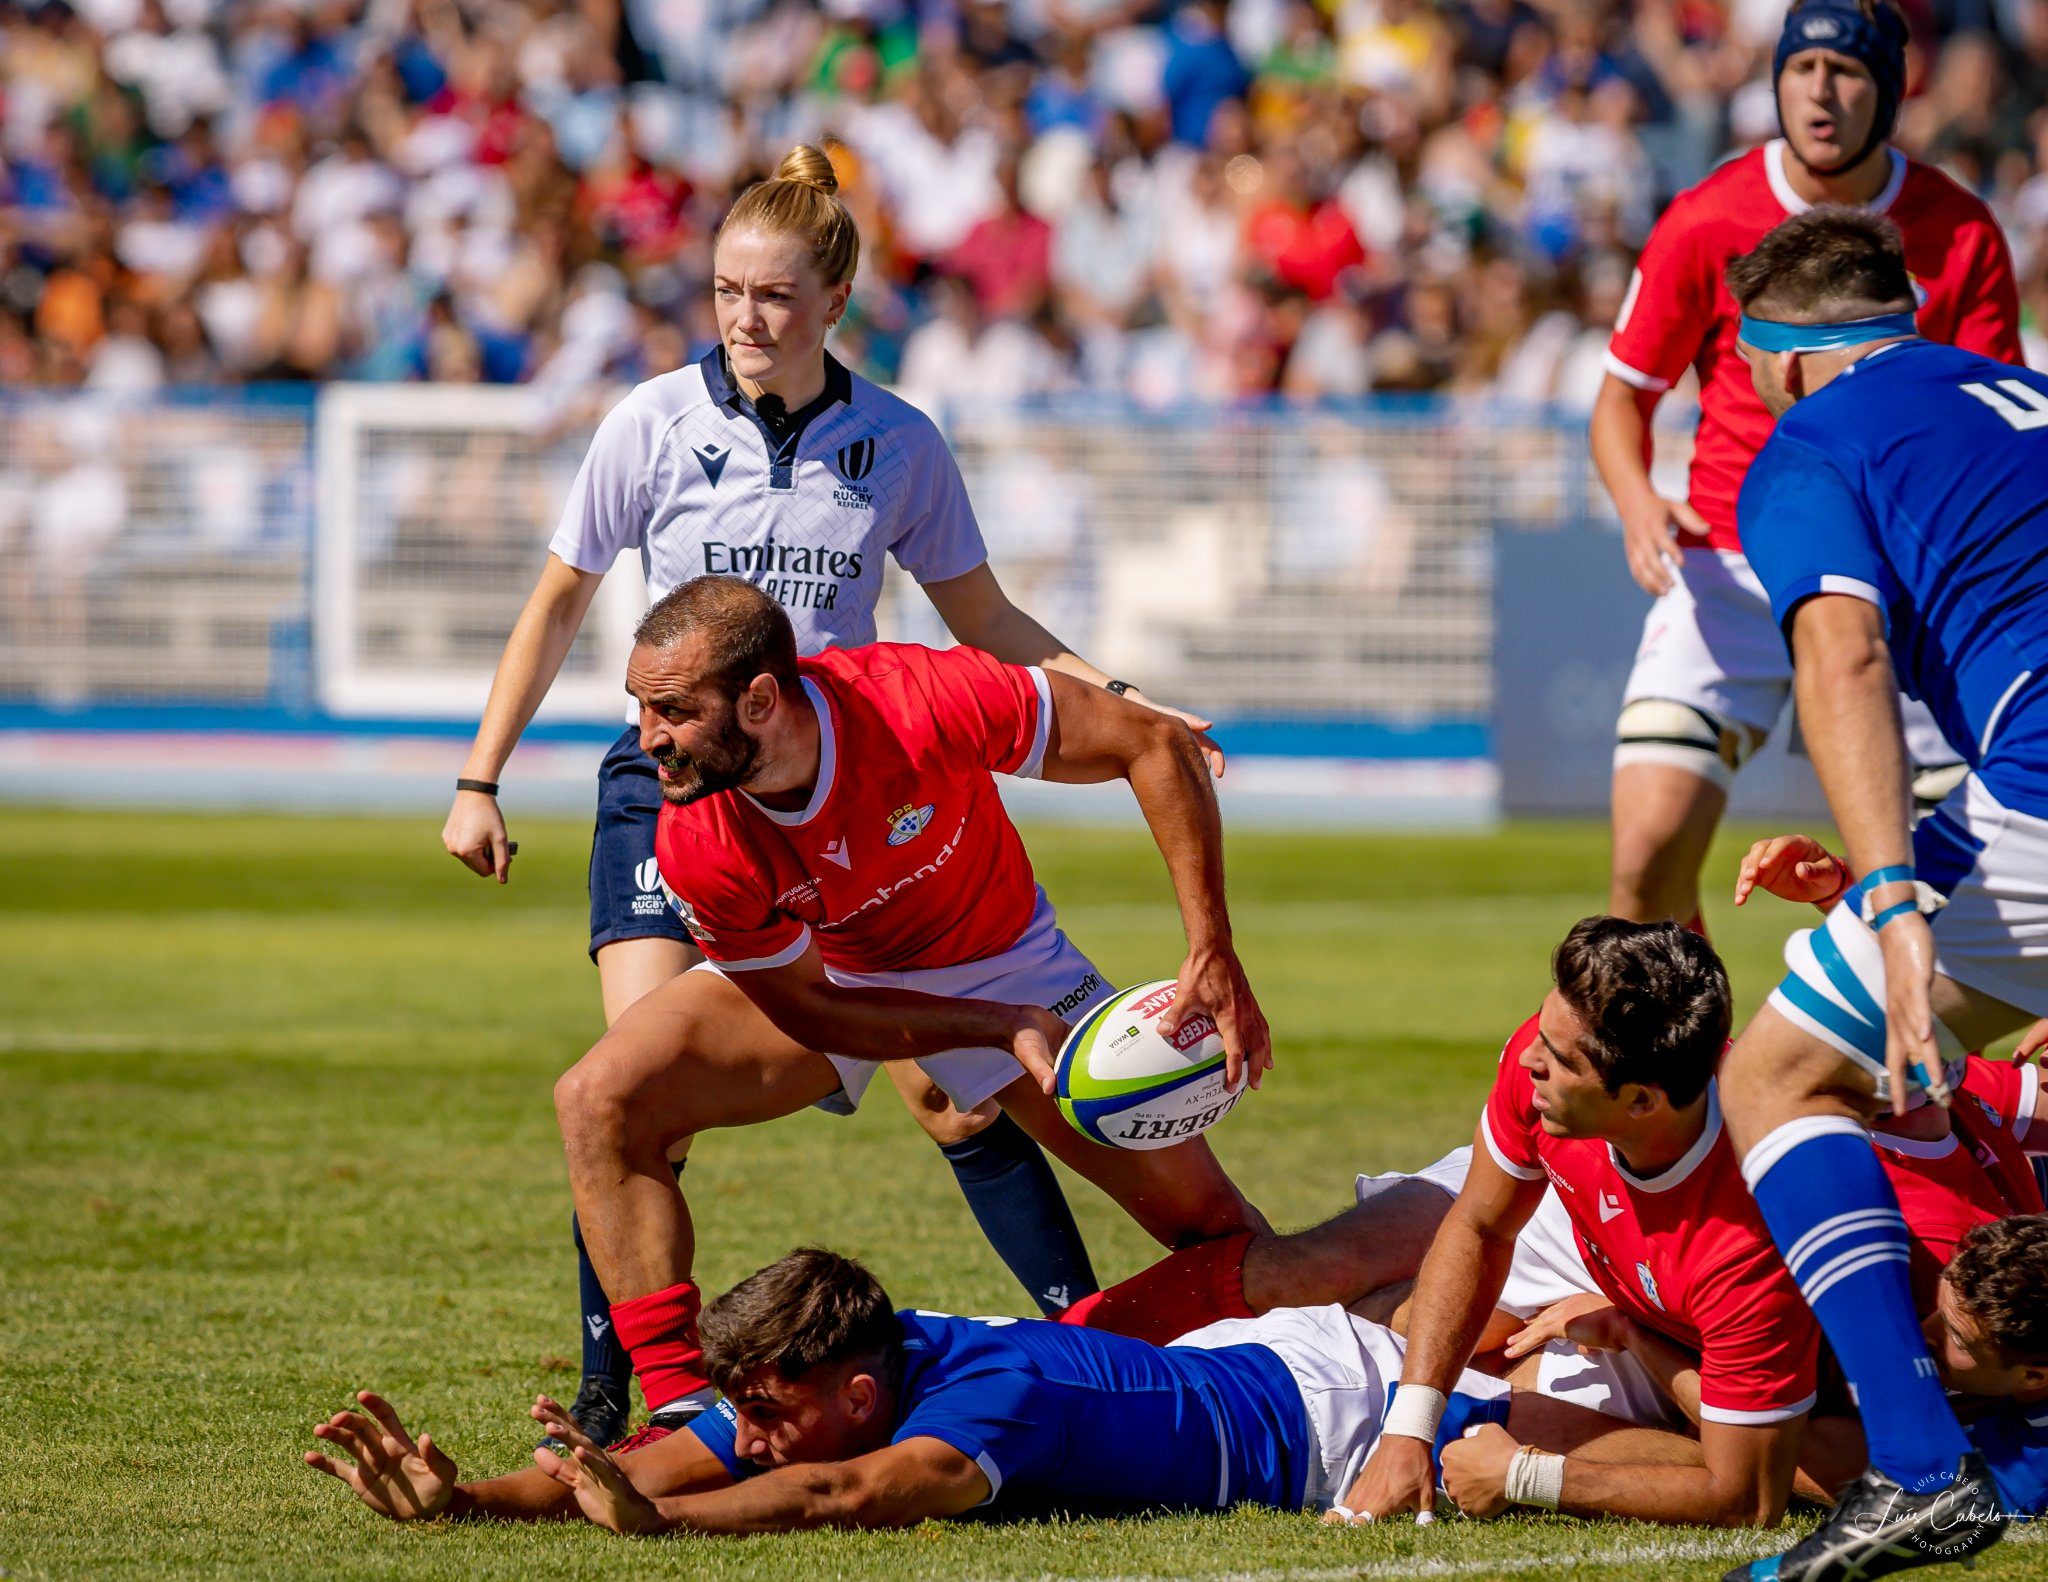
[(1877, 1528), (598, 1412), (677, 1414)]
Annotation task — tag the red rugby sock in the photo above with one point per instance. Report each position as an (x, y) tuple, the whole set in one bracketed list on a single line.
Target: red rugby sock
[(659, 1330), (1183, 1291)]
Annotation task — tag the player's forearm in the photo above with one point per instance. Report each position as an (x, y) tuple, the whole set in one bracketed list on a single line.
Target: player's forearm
[(1178, 799), (1460, 1280), (791, 1499), (1849, 711), (526, 1496), (892, 1024), (1692, 1496), (1675, 1370), (1619, 437)]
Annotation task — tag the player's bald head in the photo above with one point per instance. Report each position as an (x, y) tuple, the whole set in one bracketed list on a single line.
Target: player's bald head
[(1829, 265), (745, 633)]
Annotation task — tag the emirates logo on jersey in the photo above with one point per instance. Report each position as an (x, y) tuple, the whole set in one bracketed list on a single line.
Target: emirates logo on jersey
[(908, 822)]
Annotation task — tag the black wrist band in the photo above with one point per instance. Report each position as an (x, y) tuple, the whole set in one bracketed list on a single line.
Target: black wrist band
[(487, 787), (1118, 687)]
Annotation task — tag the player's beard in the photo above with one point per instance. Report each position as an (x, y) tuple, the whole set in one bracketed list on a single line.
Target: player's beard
[(723, 766)]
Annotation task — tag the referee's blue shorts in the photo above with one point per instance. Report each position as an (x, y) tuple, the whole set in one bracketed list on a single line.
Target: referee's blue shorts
[(626, 897)]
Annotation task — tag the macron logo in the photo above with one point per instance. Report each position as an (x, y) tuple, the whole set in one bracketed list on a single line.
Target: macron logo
[(835, 851), (1610, 1206), (597, 1325), (712, 458)]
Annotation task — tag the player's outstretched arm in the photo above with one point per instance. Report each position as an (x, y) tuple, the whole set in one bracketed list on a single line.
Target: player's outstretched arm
[(1097, 736), (1744, 1482), (475, 832), (898, 1486), (896, 1024), (979, 613), (1455, 1292), (1849, 709)]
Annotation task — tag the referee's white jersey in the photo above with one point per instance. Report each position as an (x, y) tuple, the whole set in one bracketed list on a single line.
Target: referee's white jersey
[(686, 472)]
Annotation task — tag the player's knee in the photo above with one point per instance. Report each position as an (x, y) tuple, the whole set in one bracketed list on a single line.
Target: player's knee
[(1681, 736), (591, 1105)]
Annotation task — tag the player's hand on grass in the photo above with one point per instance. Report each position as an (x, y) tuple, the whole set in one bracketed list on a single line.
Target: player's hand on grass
[(1199, 727), (475, 835), (1793, 868), (1908, 946), (1036, 1042), (1476, 1469), (1589, 1321), (603, 1492), (1213, 980), (1399, 1475), (1649, 533), (2031, 1043), (393, 1475)]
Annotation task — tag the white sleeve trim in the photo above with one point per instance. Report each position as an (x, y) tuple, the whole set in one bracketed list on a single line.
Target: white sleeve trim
[(2028, 1103), (781, 958), (1855, 587), (992, 1472), (1775, 1414), (1633, 376), (1034, 761), (1519, 1172)]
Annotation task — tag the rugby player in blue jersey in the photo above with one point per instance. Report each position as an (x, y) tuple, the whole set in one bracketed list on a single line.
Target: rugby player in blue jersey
[(1896, 521), (841, 1412)]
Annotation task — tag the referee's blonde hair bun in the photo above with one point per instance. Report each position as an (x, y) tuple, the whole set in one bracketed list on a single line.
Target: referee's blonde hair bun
[(802, 199)]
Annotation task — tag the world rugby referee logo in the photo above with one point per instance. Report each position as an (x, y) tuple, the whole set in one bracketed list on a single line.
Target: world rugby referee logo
[(857, 460)]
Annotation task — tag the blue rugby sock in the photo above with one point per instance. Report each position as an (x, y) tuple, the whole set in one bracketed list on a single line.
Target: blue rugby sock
[(604, 1359), (1834, 1217), (1016, 1199)]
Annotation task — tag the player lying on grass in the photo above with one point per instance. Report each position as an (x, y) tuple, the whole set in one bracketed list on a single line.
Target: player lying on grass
[(840, 1412), (832, 835), (1609, 1092)]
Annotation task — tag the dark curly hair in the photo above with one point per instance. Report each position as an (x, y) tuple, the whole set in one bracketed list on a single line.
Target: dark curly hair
[(2000, 1275), (1654, 998)]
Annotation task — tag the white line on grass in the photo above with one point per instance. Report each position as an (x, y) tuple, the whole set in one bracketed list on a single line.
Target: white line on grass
[(1635, 1551)]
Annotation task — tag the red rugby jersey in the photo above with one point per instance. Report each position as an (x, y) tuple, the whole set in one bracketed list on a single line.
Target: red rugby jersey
[(904, 858), (1678, 312), (1978, 1173), (1685, 1253)]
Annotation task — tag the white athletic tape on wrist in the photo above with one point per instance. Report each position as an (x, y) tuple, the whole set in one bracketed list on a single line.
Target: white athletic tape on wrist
[(1415, 1414), (1536, 1477)]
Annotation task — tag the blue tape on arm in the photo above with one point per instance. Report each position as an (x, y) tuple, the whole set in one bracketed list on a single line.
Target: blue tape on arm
[(1897, 873)]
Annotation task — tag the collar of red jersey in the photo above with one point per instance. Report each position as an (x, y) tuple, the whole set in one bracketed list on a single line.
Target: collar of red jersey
[(828, 764), (1687, 1162)]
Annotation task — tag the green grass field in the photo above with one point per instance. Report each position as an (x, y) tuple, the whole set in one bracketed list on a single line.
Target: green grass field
[(275, 1124)]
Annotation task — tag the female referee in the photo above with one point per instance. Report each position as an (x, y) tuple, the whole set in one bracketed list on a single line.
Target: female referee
[(767, 460)]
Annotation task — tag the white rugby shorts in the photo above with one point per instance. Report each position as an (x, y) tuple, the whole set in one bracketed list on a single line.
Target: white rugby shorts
[(1345, 1367), (1711, 643), (1043, 967), (1548, 1268), (1991, 861)]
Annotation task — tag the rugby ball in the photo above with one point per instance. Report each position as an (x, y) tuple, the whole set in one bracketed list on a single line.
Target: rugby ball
[(1122, 1083)]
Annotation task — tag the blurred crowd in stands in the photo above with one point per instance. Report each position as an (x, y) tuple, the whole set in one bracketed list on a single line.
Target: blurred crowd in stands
[(1167, 199)]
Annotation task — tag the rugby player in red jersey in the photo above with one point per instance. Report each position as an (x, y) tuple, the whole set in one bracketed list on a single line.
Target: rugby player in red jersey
[(1608, 1093), (833, 837), (1712, 673)]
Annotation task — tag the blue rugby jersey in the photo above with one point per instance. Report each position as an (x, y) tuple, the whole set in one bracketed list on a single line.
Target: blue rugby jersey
[(1067, 1419), (1918, 480)]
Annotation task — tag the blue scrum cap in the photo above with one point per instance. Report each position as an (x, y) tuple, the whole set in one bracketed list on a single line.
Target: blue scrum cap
[(1877, 40)]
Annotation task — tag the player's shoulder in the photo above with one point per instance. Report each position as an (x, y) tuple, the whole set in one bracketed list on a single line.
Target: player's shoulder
[(1930, 196), (644, 416), (1736, 193)]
